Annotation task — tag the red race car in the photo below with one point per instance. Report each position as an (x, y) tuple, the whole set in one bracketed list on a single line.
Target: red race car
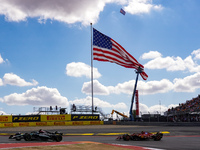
[(141, 136)]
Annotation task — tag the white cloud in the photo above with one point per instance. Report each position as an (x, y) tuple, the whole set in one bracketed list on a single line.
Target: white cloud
[(151, 55), (126, 87), (157, 109), (141, 6), (68, 11), (1, 82), (13, 79), (79, 69), (168, 63), (98, 88), (172, 105), (144, 109), (196, 54), (1, 59), (3, 113), (32, 113), (40, 96), (147, 88), (97, 102), (187, 84), (172, 63), (154, 87)]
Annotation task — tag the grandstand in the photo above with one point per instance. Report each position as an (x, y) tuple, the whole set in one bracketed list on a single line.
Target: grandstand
[(186, 112)]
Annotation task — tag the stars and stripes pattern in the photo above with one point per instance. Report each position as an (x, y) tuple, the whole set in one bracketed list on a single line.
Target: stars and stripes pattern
[(106, 49)]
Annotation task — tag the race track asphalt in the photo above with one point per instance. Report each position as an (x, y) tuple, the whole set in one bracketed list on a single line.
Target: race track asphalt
[(179, 137)]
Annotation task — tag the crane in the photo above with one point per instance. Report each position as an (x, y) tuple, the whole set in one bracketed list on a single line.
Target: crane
[(125, 116)]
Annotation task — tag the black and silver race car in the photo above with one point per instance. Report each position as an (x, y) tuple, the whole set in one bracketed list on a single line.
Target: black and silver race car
[(42, 135)]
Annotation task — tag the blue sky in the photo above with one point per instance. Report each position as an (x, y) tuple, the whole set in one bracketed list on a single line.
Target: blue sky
[(45, 53)]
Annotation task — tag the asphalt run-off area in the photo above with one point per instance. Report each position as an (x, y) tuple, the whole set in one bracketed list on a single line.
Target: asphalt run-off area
[(175, 137)]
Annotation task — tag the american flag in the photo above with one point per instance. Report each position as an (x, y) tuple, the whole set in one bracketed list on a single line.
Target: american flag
[(106, 49), (122, 11)]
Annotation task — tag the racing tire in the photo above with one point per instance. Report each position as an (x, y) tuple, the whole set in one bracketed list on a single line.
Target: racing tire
[(58, 138), (135, 138), (158, 137), (126, 137), (18, 138), (27, 137)]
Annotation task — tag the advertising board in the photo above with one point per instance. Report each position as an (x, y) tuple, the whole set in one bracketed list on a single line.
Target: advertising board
[(5, 118), (84, 117), (26, 118), (56, 117)]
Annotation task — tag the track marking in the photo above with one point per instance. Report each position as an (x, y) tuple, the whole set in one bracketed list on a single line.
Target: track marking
[(111, 133), (20, 145), (163, 132), (16, 145), (75, 134), (133, 147)]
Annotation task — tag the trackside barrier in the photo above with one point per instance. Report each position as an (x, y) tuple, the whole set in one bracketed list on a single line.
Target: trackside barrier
[(53, 118), (49, 118), (34, 118), (60, 123), (5, 118)]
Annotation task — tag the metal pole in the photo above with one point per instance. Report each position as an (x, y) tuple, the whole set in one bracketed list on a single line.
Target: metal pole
[(132, 101), (92, 70)]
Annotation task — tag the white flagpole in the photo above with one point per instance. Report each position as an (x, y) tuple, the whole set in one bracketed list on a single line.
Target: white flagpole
[(92, 69)]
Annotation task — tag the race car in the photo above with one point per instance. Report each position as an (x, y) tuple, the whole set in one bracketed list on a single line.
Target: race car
[(38, 135), (18, 136), (157, 136)]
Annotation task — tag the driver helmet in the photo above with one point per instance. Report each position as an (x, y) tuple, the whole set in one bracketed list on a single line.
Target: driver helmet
[(41, 131)]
